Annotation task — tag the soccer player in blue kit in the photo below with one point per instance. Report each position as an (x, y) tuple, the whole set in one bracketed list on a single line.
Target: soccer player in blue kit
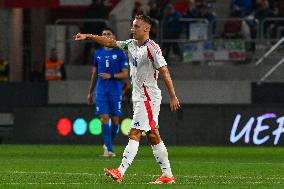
[(110, 67)]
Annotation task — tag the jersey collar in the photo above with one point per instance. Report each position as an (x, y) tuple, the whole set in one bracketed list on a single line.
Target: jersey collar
[(145, 42)]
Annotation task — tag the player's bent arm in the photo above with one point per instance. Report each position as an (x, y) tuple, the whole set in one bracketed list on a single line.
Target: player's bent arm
[(102, 40), (174, 102), (122, 75), (168, 81)]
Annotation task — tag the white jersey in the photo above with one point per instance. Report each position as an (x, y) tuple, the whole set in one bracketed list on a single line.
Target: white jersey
[(144, 62)]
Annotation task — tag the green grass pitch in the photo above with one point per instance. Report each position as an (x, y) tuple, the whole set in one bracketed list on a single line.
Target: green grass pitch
[(81, 166)]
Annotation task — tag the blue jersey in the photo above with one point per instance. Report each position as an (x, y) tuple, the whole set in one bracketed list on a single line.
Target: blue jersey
[(112, 62)]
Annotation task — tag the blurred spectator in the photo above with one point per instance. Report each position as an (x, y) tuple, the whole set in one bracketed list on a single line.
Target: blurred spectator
[(281, 7), (192, 11), (4, 69), (273, 25), (35, 74), (154, 10), (205, 13), (162, 5), (97, 10), (262, 12), (244, 6), (54, 67), (137, 10), (236, 28), (181, 6), (171, 30), (154, 13)]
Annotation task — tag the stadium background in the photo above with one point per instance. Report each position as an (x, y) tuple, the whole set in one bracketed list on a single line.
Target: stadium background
[(228, 133), (214, 84)]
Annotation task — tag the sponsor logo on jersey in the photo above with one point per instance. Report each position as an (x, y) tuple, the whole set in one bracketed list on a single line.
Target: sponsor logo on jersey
[(114, 56)]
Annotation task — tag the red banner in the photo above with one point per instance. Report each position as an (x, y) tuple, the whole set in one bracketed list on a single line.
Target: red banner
[(29, 3), (51, 3)]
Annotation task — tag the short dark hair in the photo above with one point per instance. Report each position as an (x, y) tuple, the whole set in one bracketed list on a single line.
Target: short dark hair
[(109, 29), (145, 18)]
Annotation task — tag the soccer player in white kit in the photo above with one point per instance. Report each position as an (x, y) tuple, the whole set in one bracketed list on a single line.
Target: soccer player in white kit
[(146, 61)]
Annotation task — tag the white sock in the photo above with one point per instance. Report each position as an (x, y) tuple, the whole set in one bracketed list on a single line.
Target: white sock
[(161, 155), (129, 154)]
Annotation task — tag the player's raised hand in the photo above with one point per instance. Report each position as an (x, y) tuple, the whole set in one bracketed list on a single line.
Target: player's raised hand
[(80, 36), (90, 99), (174, 104)]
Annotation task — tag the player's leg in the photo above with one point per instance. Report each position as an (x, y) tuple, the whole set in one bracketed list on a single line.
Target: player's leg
[(116, 112), (139, 123), (129, 154), (161, 156), (131, 149), (102, 110), (106, 133), (159, 149), (114, 127)]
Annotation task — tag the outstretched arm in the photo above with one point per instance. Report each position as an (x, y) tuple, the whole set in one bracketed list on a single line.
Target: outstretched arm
[(174, 103), (107, 42)]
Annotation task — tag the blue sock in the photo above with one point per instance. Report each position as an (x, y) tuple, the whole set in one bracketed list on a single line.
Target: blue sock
[(107, 137), (114, 130)]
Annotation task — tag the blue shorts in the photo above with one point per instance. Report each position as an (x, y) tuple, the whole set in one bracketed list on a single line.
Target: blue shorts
[(109, 104)]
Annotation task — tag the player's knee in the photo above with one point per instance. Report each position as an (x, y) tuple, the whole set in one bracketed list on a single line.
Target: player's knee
[(104, 120), (153, 138), (134, 135), (115, 121)]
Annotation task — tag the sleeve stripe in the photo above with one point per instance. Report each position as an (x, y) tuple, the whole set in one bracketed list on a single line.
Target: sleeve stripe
[(150, 55), (155, 46)]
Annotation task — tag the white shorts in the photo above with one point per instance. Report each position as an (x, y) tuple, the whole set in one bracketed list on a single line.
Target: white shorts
[(145, 115)]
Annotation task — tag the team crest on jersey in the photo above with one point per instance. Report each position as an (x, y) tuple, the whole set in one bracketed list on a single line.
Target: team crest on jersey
[(114, 56)]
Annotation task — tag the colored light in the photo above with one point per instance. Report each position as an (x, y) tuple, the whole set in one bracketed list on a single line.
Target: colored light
[(95, 126), (125, 126), (80, 126), (64, 126)]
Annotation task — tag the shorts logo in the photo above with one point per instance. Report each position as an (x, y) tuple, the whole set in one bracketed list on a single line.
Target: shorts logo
[(137, 124)]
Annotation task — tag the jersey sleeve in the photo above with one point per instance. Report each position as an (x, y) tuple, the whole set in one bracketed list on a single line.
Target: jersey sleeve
[(123, 60), (155, 55), (124, 44)]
